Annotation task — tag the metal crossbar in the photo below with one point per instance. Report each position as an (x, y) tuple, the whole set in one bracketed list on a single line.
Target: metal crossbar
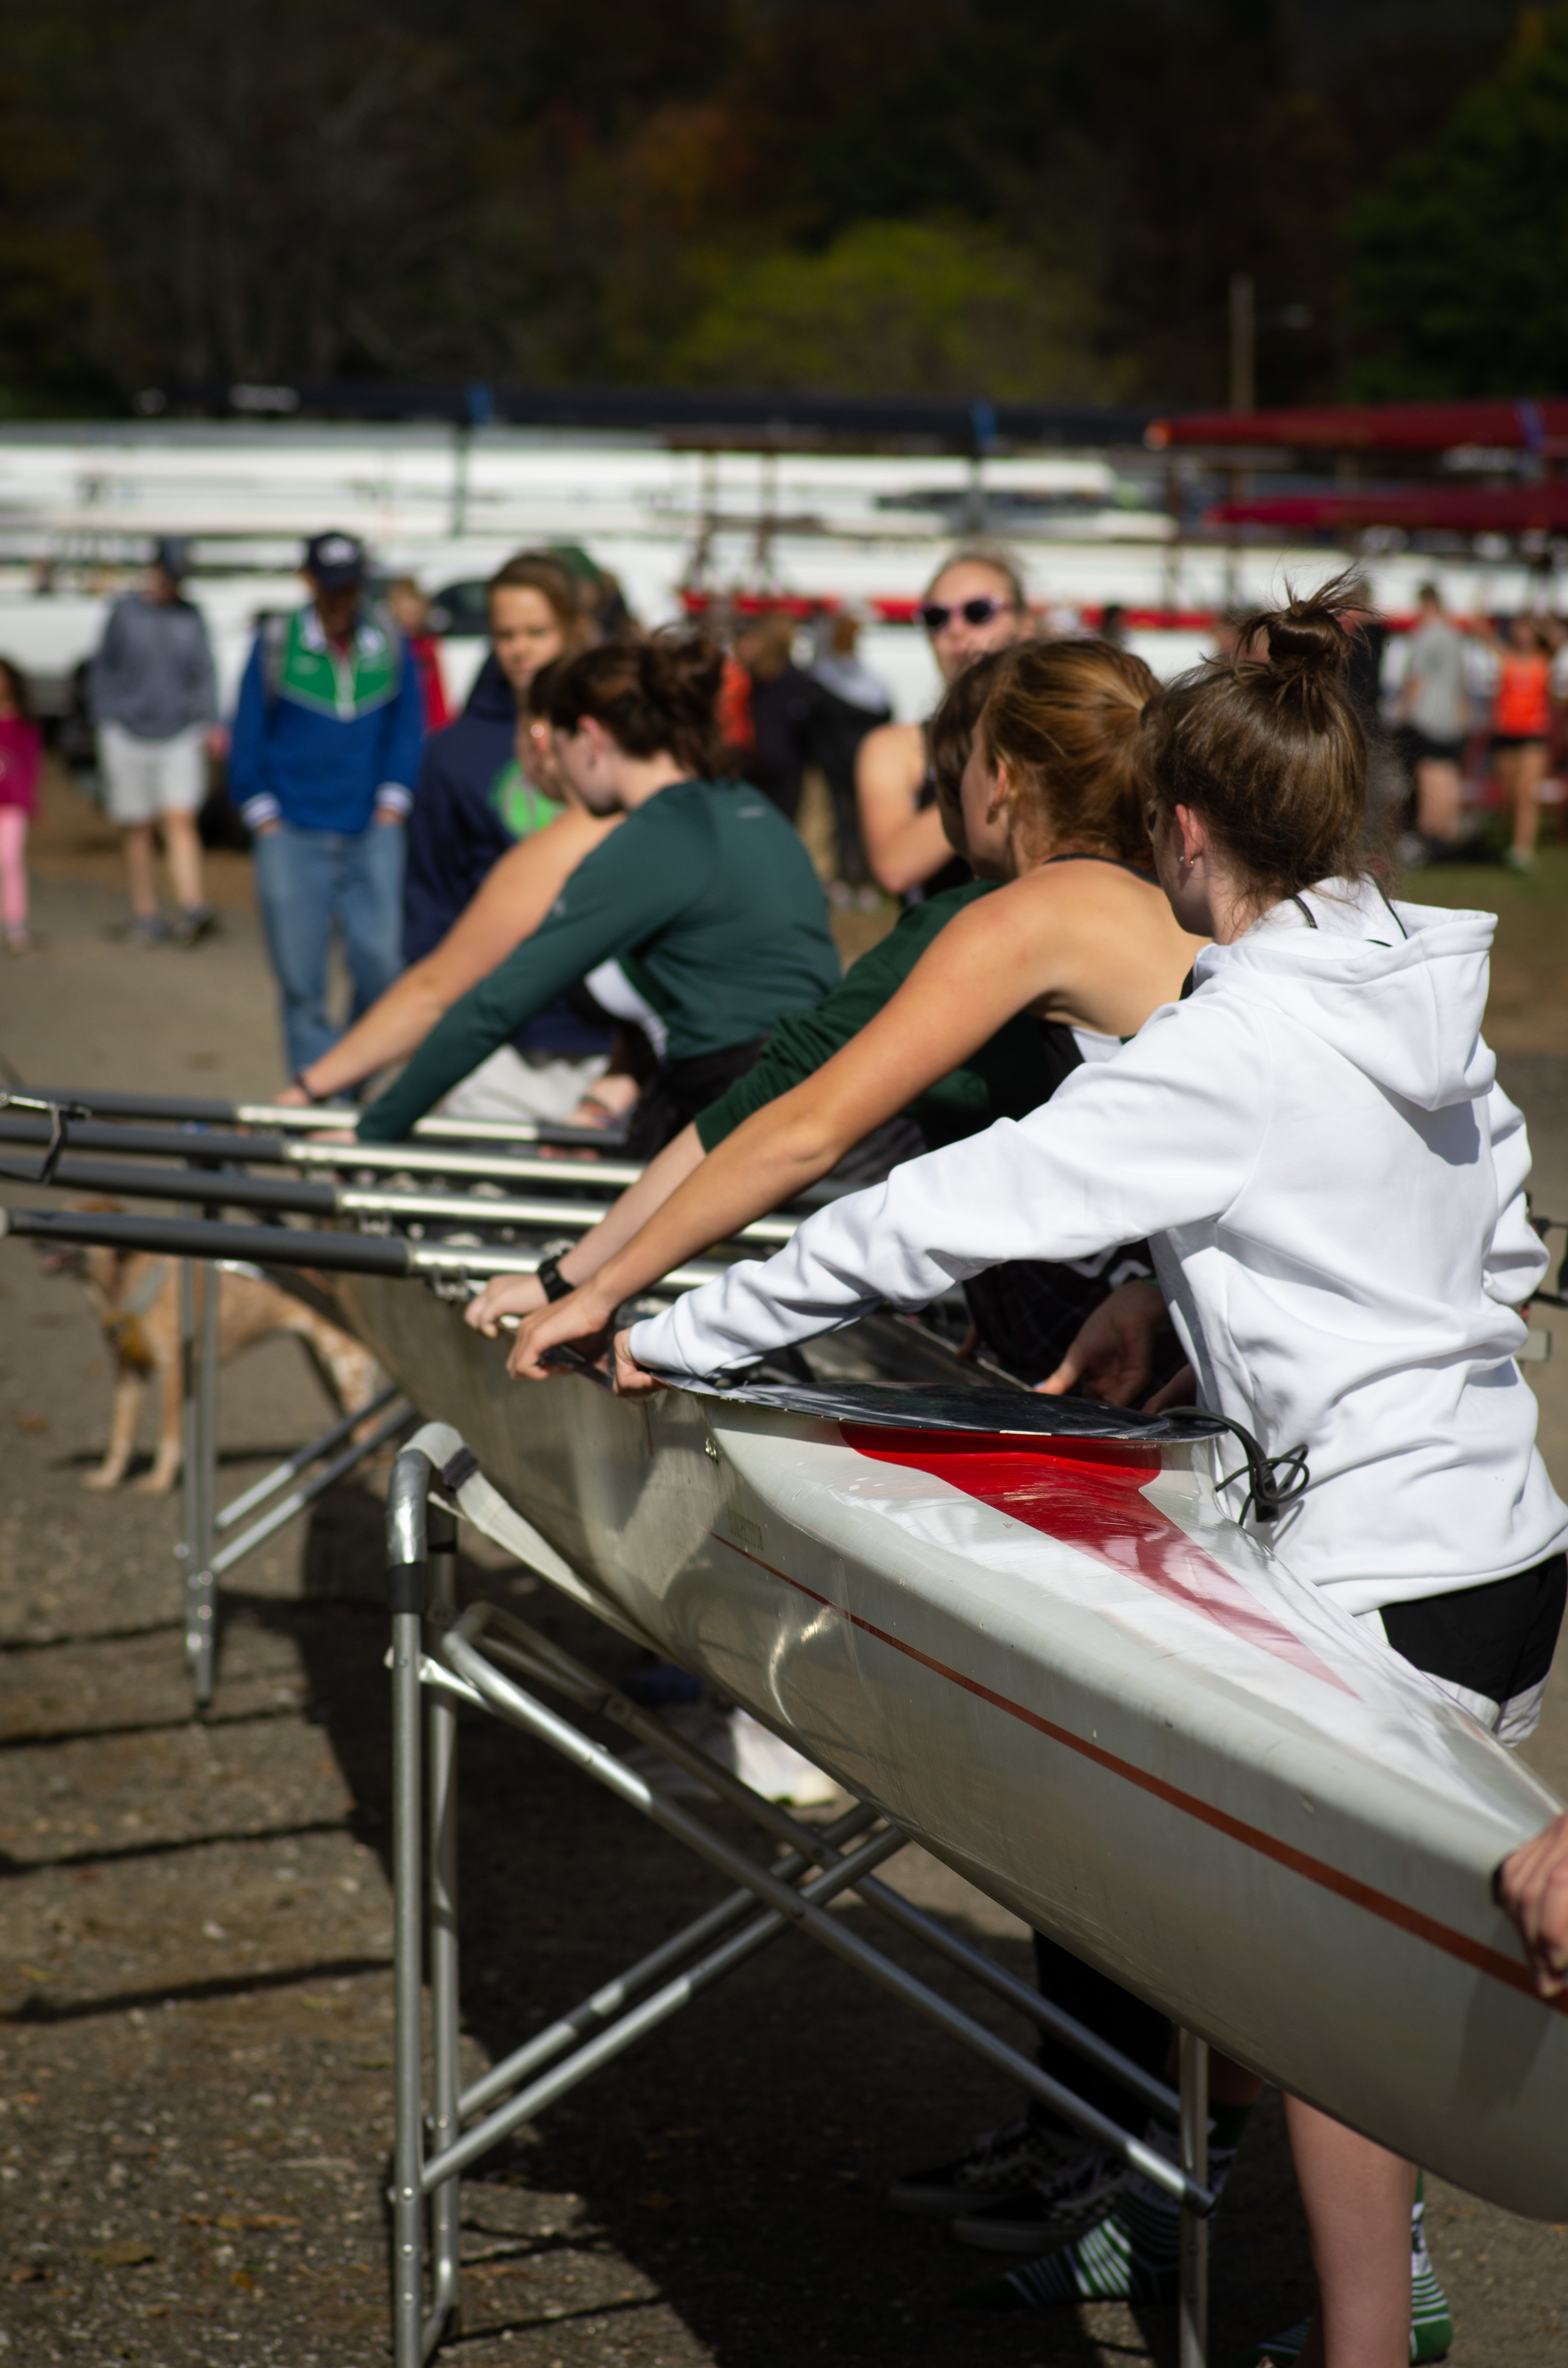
[(440, 1660), (205, 1522)]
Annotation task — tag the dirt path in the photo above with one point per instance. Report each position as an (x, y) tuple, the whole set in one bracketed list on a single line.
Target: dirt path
[(195, 1955)]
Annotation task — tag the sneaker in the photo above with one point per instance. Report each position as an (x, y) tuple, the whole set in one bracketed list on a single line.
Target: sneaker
[(999, 2162), (191, 926), (1073, 2189), (143, 930), (1518, 858)]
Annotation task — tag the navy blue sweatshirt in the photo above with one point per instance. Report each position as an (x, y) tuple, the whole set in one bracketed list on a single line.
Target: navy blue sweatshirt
[(458, 829)]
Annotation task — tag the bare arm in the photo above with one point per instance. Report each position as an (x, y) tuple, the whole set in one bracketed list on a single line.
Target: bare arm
[(985, 964), (521, 1295), (903, 844), (512, 900)]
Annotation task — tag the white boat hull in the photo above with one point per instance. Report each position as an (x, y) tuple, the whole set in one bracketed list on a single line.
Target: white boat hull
[(1072, 1679)]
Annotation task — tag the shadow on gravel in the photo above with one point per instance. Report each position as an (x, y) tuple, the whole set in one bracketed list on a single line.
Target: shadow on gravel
[(737, 2160)]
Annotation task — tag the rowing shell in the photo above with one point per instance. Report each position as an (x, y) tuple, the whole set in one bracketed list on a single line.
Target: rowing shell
[(1041, 1647)]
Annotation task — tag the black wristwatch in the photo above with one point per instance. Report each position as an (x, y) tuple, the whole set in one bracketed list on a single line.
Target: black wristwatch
[(548, 1271), (315, 1099)]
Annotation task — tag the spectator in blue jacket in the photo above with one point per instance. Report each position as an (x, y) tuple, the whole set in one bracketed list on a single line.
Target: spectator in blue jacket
[(326, 748)]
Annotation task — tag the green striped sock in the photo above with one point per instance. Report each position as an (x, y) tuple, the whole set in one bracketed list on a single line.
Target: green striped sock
[(1133, 2255), (1431, 2321)]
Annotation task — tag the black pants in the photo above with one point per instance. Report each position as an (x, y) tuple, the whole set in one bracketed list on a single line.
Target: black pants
[(681, 1089)]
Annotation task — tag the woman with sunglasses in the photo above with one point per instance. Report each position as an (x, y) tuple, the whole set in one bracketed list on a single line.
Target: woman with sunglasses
[(975, 603)]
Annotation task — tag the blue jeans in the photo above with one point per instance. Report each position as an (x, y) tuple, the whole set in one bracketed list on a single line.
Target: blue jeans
[(309, 883)]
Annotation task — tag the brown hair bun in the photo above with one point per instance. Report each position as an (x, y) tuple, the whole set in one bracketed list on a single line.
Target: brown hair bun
[(651, 696), (1268, 751)]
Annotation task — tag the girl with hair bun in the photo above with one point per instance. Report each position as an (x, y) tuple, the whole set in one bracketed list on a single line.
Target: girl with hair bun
[(700, 917), (1333, 1186)]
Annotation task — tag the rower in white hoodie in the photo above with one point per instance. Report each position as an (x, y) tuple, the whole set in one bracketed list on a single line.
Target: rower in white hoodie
[(1332, 1184)]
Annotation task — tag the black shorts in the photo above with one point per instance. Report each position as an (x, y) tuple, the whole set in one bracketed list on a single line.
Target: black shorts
[(1518, 740), (1489, 1646), (1423, 749)]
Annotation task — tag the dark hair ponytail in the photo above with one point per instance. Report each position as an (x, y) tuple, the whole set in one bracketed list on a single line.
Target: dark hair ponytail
[(1267, 747), (662, 693)]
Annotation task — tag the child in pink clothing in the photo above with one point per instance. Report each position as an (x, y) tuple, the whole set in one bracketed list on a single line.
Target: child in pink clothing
[(20, 747)]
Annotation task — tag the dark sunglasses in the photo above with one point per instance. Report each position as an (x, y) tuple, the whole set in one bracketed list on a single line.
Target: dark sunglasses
[(937, 614)]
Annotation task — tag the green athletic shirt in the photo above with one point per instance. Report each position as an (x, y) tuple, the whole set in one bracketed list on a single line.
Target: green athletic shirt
[(706, 888), (1006, 1078)]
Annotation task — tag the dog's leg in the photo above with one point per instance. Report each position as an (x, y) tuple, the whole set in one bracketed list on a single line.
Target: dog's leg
[(171, 1439), (128, 1390)]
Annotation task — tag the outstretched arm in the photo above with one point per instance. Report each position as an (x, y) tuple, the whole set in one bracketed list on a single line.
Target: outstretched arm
[(512, 901), (965, 985), (1162, 1137)]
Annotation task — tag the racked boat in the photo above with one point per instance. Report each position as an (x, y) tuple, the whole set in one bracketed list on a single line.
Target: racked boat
[(1024, 1629)]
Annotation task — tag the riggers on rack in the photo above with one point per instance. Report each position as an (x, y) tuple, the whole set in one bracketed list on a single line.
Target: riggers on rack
[(479, 1658)]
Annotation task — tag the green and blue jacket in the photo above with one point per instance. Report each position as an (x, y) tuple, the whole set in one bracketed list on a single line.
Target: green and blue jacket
[(324, 736)]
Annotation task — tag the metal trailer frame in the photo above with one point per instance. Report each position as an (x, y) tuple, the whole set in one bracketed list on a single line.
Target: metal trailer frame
[(440, 1659), (202, 1548)]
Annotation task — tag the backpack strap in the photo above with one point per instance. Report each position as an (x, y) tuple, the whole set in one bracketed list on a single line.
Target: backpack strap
[(274, 648)]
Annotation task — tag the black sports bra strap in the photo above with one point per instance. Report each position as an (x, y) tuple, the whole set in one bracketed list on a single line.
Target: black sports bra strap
[(1302, 909)]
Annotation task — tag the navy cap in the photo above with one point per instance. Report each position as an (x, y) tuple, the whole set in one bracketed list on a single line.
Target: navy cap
[(336, 560), (169, 553)]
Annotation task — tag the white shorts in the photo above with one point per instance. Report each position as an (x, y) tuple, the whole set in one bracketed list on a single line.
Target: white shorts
[(513, 1085), (144, 778)]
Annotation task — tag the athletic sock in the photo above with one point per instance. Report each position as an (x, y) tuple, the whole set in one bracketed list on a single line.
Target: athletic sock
[(1431, 2324), (1134, 2254), (1431, 2321)]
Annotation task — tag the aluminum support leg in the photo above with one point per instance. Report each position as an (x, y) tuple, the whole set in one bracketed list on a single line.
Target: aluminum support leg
[(1194, 2059), (405, 1591), (441, 1538), (199, 1386)]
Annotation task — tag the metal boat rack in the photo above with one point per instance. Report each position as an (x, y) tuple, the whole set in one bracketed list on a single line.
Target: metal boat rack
[(486, 1658)]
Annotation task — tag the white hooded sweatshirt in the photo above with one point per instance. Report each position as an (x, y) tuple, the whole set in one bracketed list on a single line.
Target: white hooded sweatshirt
[(1333, 1183)]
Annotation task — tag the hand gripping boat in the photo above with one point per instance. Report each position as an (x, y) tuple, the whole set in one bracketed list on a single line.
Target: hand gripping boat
[(1024, 1629)]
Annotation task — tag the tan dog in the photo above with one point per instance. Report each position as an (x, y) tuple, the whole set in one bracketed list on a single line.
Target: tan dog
[(136, 1295)]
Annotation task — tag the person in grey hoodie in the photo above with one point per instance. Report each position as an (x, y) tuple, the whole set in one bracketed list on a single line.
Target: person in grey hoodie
[(1333, 1187), (154, 700)]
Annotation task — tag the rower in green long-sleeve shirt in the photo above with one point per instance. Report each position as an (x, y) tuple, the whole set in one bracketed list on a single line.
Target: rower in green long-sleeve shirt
[(705, 897)]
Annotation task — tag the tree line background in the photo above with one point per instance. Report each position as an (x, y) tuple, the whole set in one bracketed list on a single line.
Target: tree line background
[(1015, 197)]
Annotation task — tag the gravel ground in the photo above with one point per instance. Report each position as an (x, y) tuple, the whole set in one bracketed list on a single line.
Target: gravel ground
[(195, 1954)]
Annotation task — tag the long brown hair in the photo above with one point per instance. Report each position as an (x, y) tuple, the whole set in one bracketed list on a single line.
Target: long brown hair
[(538, 571), (649, 695), (1063, 717), (1269, 750)]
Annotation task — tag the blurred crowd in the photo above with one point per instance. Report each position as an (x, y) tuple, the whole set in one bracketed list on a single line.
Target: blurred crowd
[(375, 808)]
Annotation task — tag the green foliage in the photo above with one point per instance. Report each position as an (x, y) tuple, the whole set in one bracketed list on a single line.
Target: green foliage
[(898, 308), (1460, 258), (976, 194)]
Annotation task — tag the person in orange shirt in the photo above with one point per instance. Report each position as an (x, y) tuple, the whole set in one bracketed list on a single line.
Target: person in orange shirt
[(1521, 725)]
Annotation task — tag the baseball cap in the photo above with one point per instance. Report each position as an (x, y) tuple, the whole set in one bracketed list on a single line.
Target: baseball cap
[(336, 560), (169, 553)]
